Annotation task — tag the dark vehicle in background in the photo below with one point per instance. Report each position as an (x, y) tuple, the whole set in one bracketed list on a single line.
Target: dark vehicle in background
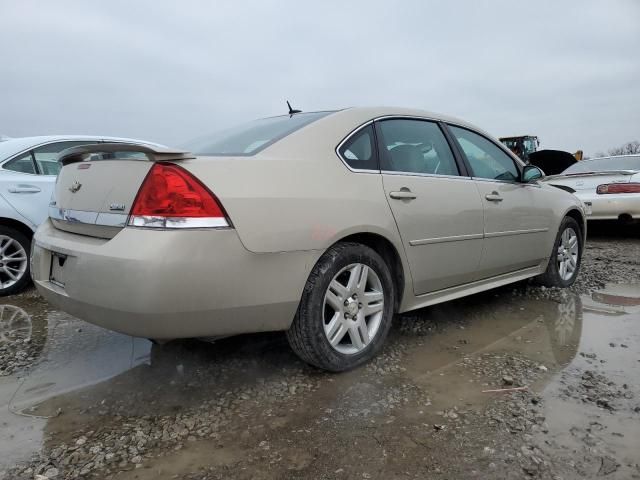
[(551, 162)]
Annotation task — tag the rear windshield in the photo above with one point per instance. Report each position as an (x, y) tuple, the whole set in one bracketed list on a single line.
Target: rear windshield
[(604, 164), (250, 138)]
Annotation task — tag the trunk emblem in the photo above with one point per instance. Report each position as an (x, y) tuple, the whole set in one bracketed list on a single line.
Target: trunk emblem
[(75, 187), (118, 207)]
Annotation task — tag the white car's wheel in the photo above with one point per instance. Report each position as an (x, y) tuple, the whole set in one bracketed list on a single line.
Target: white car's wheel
[(14, 260)]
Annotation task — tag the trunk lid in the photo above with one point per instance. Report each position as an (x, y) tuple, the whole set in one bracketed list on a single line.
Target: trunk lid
[(590, 180), (97, 185)]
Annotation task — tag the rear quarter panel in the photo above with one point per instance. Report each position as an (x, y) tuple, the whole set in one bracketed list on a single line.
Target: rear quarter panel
[(298, 195)]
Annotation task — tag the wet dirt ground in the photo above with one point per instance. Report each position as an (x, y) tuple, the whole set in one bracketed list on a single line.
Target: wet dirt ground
[(77, 401)]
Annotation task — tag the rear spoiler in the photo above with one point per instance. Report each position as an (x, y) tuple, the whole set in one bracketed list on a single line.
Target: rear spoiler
[(153, 153)]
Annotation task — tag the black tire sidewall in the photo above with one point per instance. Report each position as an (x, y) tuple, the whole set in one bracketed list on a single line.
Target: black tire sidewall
[(332, 262), (25, 241)]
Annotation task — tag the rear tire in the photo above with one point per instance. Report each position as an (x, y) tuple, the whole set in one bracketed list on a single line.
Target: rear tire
[(15, 249), (564, 264), (346, 309)]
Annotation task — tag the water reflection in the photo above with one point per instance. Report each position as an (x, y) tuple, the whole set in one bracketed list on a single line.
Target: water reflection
[(83, 368), (610, 348), (565, 328), (15, 325), (22, 337), (44, 354), (619, 296)]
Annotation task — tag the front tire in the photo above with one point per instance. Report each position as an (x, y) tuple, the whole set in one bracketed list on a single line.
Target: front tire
[(566, 256), (346, 309), (15, 248)]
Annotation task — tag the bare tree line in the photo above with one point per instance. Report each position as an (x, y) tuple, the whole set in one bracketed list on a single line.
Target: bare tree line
[(626, 149)]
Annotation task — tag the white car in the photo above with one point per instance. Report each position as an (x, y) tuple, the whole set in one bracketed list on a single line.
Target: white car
[(28, 170), (608, 186)]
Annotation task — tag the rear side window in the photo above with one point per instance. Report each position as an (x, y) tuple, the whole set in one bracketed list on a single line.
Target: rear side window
[(47, 155), (415, 146), (23, 164), (254, 136), (359, 150)]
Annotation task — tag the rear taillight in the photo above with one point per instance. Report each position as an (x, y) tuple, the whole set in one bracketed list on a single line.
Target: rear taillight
[(170, 197), (618, 188)]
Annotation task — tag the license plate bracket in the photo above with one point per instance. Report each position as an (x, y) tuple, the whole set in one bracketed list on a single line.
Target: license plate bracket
[(57, 271)]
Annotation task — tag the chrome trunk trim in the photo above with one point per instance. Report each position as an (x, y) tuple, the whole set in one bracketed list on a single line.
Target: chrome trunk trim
[(88, 218)]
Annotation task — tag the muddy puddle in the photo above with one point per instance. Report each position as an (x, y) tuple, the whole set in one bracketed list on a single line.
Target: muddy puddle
[(83, 400)]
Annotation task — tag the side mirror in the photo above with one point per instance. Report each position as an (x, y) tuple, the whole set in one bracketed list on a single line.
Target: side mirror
[(531, 173)]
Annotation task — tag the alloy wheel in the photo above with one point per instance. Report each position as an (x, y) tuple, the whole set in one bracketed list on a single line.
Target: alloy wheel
[(353, 308), (567, 255), (13, 261)]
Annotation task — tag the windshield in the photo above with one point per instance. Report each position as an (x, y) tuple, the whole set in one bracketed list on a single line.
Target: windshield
[(530, 145), (631, 162), (250, 138)]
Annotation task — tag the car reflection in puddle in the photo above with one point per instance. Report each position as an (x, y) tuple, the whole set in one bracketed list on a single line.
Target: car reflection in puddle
[(44, 354), (591, 408), (87, 372), (15, 325)]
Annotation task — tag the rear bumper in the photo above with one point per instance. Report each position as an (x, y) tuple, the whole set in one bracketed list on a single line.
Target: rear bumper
[(171, 284), (611, 206)]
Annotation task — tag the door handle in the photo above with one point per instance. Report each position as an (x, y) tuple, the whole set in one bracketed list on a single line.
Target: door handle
[(24, 189), (404, 194), (493, 197)]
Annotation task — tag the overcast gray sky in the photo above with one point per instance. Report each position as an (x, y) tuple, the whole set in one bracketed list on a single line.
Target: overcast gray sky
[(568, 71)]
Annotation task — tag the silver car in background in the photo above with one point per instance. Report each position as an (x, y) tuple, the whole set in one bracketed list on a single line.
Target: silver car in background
[(322, 224), (608, 186)]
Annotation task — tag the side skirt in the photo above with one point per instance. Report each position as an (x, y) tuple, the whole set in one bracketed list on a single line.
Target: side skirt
[(452, 293)]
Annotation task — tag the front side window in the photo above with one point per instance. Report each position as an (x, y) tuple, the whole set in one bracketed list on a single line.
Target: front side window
[(415, 146), (23, 164), (486, 159), (254, 136), (359, 150)]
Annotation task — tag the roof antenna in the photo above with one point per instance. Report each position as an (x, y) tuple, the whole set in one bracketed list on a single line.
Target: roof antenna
[(291, 110)]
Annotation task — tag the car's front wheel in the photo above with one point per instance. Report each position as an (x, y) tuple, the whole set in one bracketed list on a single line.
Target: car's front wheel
[(346, 309), (566, 256)]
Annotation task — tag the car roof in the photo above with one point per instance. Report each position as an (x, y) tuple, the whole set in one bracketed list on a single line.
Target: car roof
[(364, 114), (13, 146)]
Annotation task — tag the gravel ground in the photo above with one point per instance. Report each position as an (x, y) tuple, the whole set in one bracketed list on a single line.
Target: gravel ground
[(247, 408)]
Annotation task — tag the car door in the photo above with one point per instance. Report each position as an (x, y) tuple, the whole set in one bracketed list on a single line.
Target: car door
[(437, 207), (517, 215), (28, 179)]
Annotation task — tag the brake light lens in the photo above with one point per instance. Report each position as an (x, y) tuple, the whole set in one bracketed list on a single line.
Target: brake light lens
[(171, 197), (618, 188)]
